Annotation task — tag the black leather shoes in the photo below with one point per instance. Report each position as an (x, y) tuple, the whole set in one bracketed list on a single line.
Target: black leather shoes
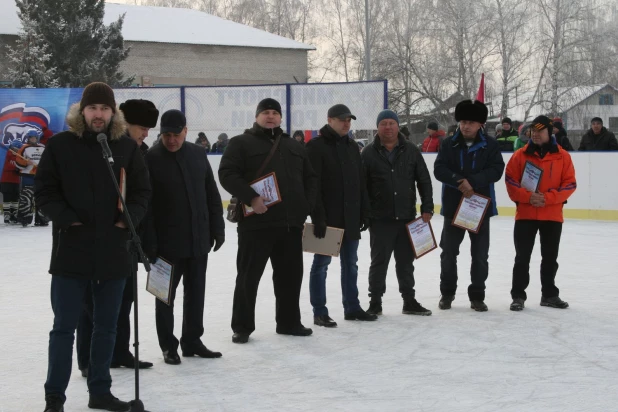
[(239, 337), (171, 358), (478, 305), (299, 330), (201, 351), (128, 361), (324, 320)]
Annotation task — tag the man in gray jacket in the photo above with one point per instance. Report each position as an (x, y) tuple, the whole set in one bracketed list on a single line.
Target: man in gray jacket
[(393, 168)]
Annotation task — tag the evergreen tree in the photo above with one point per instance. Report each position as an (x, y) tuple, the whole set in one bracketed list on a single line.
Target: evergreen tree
[(29, 59), (82, 49)]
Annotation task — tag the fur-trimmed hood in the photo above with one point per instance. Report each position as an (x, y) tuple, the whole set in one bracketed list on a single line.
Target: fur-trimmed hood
[(77, 125)]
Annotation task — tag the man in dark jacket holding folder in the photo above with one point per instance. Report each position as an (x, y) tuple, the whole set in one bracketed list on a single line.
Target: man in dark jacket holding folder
[(184, 223), (394, 167), (273, 232), (341, 202), (467, 163)]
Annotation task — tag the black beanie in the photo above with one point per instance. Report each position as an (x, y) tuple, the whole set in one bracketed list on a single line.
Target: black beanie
[(507, 120), (432, 126), (596, 119), (140, 112), (268, 104), (97, 93)]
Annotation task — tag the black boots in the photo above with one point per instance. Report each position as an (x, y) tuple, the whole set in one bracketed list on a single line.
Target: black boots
[(517, 305), (53, 403), (478, 305), (375, 306), (108, 402), (360, 315), (412, 307), (325, 321), (445, 301), (554, 302)]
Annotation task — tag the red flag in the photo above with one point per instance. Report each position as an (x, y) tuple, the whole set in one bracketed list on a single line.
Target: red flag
[(480, 95)]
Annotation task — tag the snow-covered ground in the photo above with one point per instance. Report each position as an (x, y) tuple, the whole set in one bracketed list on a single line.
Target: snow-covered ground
[(541, 359)]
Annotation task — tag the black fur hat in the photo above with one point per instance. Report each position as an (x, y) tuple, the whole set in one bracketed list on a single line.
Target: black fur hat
[(140, 112), (472, 111)]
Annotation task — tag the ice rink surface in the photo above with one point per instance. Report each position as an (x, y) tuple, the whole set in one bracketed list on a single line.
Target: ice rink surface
[(541, 359)]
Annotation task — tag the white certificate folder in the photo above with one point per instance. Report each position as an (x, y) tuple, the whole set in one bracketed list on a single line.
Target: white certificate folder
[(329, 245)]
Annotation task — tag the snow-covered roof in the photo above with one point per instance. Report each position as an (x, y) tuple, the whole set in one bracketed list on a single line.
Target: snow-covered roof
[(567, 99), (172, 25)]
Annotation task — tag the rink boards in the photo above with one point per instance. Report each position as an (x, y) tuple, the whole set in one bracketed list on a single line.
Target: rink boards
[(596, 196)]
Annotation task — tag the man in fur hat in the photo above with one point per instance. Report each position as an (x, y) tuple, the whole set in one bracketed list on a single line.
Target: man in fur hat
[(466, 164), (74, 189), (141, 116)]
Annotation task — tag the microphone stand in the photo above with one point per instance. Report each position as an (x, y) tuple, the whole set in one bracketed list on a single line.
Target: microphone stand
[(134, 244)]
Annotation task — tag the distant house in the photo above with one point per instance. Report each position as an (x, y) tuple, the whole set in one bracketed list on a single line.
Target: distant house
[(174, 46)]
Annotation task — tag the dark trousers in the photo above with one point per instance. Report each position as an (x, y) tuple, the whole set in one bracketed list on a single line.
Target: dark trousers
[(524, 236), (10, 197), (67, 298), (452, 237), (390, 237), (193, 274), (283, 246), (123, 327), (348, 257)]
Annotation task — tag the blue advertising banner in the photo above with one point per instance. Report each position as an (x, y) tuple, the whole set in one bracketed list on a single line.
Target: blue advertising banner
[(43, 110)]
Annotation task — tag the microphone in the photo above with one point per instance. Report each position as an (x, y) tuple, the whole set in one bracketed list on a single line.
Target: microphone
[(107, 153)]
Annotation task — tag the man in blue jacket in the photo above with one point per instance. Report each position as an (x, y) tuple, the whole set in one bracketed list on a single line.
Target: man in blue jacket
[(467, 163)]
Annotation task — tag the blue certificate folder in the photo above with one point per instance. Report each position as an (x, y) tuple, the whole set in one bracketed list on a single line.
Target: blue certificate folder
[(531, 177)]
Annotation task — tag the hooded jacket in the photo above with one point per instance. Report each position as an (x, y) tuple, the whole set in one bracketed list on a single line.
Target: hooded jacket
[(73, 185), (295, 176), (602, 142), (431, 144), (563, 140), (481, 164), (557, 181)]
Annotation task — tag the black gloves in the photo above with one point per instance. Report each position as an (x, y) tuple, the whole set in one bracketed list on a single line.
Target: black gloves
[(319, 230), (217, 241), (152, 256), (365, 225)]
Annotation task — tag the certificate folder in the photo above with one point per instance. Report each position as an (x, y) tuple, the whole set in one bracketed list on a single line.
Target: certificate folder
[(328, 246)]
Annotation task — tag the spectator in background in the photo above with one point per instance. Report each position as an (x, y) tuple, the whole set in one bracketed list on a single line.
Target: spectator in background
[(221, 144), (431, 144), (9, 183), (27, 160), (509, 135), (299, 136), (202, 140), (561, 135), (498, 130), (404, 131), (452, 129), (598, 138), (524, 137)]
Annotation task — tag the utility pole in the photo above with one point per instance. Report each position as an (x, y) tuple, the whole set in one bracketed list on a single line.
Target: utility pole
[(367, 46)]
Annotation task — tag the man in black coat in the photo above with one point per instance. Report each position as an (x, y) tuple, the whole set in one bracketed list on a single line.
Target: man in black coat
[(598, 138), (394, 167), (140, 116), (74, 189), (341, 202), (273, 232), (467, 163), (185, 222)]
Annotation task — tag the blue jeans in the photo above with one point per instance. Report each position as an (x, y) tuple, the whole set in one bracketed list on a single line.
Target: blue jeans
[(67, 299), (349, 274)]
